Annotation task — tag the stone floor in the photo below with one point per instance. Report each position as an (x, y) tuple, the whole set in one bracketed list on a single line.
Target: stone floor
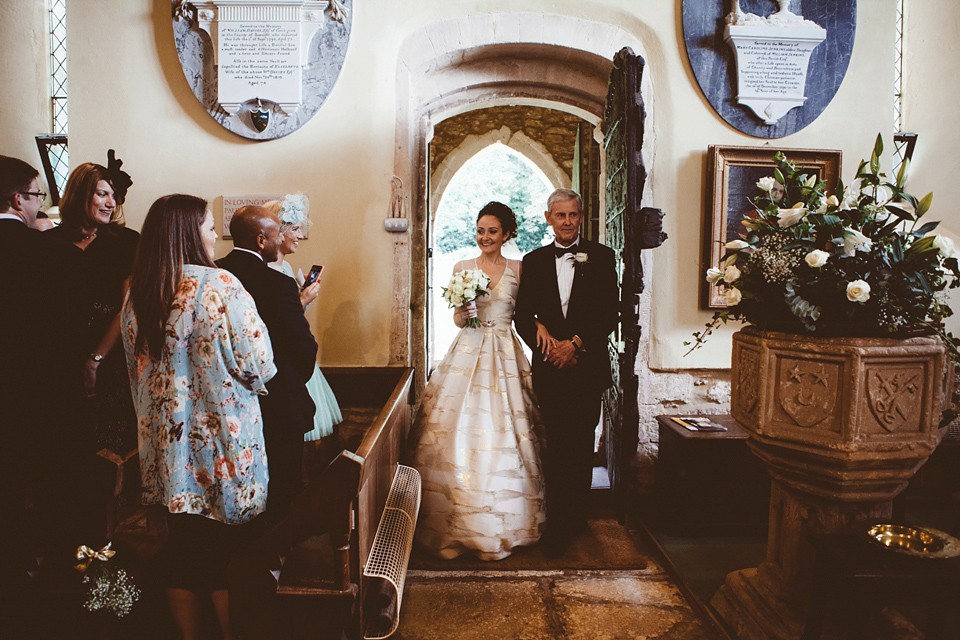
[(547, 605)]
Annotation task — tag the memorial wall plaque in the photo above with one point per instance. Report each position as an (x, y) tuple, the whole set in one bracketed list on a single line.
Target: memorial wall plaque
[(769, 67), (261, 68)]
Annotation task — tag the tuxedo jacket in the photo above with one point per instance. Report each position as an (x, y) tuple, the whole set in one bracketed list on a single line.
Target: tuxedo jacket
[(288, 404), (592, 312)]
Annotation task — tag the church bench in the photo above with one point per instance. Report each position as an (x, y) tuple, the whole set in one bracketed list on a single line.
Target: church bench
[(302, 579)]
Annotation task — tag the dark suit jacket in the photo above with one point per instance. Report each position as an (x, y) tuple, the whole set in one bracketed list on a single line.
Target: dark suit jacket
[(288, 404), (592, 313), (20, 324)]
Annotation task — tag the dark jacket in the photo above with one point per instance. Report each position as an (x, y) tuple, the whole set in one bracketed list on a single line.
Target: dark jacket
[(288, 404), (592, 313)]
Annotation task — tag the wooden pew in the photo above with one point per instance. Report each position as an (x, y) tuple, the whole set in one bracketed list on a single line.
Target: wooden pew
[(302, 579)]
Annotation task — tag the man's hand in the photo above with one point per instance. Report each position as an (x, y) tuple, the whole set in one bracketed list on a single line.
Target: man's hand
[(562, 355)]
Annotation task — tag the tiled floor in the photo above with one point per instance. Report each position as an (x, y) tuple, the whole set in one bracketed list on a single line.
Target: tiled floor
[(547, 605)]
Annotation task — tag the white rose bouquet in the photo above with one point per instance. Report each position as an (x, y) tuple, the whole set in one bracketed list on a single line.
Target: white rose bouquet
[(857, 263), (465, 287)]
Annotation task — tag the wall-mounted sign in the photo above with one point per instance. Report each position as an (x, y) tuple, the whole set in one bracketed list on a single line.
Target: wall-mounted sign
[(769, 67), (261, 68)]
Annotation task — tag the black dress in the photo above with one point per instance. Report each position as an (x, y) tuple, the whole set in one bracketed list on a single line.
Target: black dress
[(95, 279)]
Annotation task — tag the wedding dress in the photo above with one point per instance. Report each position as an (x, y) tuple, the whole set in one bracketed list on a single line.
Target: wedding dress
[(478, 454)]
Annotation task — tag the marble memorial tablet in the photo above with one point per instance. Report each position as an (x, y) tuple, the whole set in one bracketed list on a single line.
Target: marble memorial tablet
[(262, 68), (749, 56)]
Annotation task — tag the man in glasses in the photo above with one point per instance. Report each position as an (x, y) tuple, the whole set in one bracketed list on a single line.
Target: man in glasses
[(20, 301)]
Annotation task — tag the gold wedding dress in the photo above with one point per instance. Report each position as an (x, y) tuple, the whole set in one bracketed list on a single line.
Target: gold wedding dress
[(478, 454)]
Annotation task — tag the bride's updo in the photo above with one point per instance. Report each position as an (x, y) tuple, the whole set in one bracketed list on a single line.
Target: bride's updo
[(503, 213)]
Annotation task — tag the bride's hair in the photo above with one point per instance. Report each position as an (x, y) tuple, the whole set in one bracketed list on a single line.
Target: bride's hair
[(503, 213)]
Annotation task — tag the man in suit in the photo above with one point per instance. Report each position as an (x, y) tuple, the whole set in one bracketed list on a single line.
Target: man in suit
[(570, 288), (287, 409), (20, 200)]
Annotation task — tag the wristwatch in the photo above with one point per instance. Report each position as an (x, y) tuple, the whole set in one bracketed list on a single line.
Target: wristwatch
[(96, 357)]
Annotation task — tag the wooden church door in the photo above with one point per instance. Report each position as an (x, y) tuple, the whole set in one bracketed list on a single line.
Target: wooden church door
[(629, 228)]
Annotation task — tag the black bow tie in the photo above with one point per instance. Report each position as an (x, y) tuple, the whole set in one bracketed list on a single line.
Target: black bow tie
[(561, 251)]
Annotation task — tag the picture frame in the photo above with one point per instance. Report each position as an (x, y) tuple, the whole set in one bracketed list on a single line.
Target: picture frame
[(732, 174)]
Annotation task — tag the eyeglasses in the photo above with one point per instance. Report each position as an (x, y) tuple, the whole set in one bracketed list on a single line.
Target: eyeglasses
[(39, 194)]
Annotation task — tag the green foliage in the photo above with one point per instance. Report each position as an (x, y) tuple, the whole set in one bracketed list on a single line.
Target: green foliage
[(493, 174), (855, 263)]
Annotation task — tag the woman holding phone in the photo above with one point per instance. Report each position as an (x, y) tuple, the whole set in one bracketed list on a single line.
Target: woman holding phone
[(292, 211)]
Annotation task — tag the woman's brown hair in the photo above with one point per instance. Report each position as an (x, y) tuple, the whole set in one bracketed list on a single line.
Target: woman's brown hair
[(169, 239), (75, 201)]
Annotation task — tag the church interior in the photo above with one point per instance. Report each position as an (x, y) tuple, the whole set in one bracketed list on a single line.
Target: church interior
[(760, 524)]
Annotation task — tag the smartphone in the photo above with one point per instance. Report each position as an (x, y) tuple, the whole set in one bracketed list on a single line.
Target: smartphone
[(312, 277)]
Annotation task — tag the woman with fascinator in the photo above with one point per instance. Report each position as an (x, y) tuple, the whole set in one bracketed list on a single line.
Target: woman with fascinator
[(292, 210), (92, 253)]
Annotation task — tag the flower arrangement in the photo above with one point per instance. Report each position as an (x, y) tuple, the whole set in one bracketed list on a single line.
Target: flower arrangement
[(466, 286), (110, 590), (857, 264)]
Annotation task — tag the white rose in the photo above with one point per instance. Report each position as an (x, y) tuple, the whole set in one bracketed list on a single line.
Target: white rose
[(789, 217), (581, 257), (766, 184), (945, 246), (731, 274), (732, 296), (714, 275), (816, 258), (858, 291), (853, 240), (736, 245)]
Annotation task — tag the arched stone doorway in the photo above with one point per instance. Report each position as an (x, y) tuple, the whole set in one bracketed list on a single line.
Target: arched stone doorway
[(485, 60), (556, 62)]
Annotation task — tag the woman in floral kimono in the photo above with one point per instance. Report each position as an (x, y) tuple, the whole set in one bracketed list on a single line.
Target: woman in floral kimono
[(196, 365)]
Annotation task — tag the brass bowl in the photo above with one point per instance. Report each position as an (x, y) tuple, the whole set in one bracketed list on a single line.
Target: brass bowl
[(900, 537)]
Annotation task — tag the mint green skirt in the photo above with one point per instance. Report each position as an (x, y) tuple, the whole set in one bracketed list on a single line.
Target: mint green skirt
[(328, 411)]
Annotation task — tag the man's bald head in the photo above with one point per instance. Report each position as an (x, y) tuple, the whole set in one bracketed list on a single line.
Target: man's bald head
[(256, 229)]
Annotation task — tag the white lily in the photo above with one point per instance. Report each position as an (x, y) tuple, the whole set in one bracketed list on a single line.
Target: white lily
[(851, 193), (737, 245), (853, 240), (790, 217)]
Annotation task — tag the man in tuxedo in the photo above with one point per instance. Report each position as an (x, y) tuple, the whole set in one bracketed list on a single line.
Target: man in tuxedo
[(570, 288), (287, 408)]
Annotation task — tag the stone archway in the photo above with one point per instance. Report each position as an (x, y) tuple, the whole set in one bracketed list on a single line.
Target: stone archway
[(458, 65), (472, 144)]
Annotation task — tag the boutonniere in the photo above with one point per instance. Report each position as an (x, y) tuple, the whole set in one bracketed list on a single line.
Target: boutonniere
[(581, 258)]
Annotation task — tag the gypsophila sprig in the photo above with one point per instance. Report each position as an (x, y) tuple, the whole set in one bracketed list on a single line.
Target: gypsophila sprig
[(110, 590), (855, 262), (466, 286)]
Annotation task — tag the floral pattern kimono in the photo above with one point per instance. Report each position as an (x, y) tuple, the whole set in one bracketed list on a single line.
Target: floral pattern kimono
[(199, 426)]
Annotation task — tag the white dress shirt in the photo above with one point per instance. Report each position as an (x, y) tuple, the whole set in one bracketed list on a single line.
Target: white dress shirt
[(565, 273)]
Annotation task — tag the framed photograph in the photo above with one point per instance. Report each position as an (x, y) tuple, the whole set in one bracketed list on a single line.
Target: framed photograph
[(733, 173)]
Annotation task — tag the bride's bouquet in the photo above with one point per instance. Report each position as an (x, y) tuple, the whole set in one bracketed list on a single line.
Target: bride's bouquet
[(466, 286)]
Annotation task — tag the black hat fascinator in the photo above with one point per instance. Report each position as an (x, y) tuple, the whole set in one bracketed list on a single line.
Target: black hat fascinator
[(121, 179)]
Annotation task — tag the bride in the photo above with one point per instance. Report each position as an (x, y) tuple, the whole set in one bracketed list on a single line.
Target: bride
[(477, 451)]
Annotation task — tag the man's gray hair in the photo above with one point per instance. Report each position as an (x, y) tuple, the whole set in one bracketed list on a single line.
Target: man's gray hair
[(562, 195)]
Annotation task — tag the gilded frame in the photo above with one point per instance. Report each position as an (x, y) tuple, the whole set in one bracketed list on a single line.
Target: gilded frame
[(732, 175)]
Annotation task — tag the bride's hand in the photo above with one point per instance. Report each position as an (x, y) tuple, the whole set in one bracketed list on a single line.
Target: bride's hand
[(545, 341), (464, 313)]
